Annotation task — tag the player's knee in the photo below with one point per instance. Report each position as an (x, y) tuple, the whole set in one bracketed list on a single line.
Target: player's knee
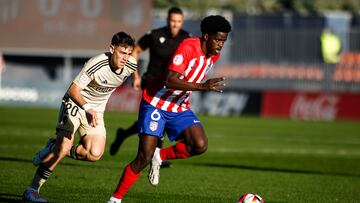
[(62, 150), (144, 159), (64, 145), (200, 147), (140, 162), (147, 158), (93, 158), (95, 155)]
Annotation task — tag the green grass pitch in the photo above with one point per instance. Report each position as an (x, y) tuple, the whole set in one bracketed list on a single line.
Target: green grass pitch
[(281, 160)]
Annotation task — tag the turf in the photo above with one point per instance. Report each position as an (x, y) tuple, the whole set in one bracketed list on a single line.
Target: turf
[(281, 160)]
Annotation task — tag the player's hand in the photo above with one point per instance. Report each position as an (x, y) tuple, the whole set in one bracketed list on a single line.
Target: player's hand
[(91, 117), (214, 83), (136, 84)]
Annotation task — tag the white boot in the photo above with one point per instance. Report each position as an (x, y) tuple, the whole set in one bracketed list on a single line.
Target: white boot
[(114, 200), (154, 173)]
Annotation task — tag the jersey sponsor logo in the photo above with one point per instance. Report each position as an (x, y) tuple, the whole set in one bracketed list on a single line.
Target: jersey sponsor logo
[(84, 79), (104, 89), (153, 125), (162, 39), (178, 59)]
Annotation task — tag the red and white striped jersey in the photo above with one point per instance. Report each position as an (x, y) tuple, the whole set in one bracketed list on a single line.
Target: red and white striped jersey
[(192, 64)]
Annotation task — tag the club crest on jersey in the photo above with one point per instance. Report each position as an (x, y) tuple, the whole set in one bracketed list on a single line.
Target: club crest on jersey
[(178, 59), (162, 39), (84, 79), (153, 125)]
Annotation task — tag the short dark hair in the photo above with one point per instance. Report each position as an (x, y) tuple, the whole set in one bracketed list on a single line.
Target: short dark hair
[(175, 10), (215, 23), (122, 38)]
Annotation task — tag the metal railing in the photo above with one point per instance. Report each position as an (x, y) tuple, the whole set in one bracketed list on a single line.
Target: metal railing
[(291, 59)]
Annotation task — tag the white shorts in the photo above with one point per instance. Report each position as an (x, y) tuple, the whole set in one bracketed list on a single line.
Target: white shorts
[(72, 118)]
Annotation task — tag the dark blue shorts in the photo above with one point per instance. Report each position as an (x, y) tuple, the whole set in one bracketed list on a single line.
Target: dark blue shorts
[(153, 121)]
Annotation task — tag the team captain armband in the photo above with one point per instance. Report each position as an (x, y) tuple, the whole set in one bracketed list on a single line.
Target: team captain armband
[(131, 63)]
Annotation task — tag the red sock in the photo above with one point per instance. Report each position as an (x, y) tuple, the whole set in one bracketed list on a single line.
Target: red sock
[(128, 178), (178, 151)]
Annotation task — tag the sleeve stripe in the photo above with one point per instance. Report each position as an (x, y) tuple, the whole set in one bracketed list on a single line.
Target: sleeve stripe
[(100, 63), (98, 67), (130, 65), (94, 71)]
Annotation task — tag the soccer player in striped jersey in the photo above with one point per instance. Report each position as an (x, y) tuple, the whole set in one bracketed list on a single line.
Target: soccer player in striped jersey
[(166, 105), (82, 111), (162, 44)]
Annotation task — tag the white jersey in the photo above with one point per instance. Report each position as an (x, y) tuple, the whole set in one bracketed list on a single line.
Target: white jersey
[(97, 80)]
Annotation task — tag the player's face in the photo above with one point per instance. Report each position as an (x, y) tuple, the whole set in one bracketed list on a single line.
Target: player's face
[(215, 42), (175, 22), (120, 55)]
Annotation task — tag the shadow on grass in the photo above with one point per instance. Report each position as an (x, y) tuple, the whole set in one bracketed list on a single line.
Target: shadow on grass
[(10, 198), (78, 164), (257, 168)]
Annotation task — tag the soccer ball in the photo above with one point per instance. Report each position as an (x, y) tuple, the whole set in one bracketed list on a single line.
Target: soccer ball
[(250, 198)]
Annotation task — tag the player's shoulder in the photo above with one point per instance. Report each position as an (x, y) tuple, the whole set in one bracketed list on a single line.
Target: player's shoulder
[(131, 64), (100, 59), (184, 33), (159, 31), (191, 41), (189, 47)]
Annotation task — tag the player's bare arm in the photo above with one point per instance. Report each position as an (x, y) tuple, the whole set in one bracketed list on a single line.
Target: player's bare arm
[(75, 95), (173, 81), (137, 79), (136, 84)]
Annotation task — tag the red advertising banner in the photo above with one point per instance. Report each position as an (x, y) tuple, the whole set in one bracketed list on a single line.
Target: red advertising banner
[(311, 106)]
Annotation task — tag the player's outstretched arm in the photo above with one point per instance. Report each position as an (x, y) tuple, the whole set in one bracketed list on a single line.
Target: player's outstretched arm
[(173, 81), (136, 84), (75, 95)]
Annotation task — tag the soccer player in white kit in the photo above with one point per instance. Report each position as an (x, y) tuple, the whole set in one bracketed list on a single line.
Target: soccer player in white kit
[(82, 111)]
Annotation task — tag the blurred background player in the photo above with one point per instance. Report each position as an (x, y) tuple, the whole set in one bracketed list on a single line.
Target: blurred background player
[(162, 43), (165, 105), (330, 46), (82, 110)]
